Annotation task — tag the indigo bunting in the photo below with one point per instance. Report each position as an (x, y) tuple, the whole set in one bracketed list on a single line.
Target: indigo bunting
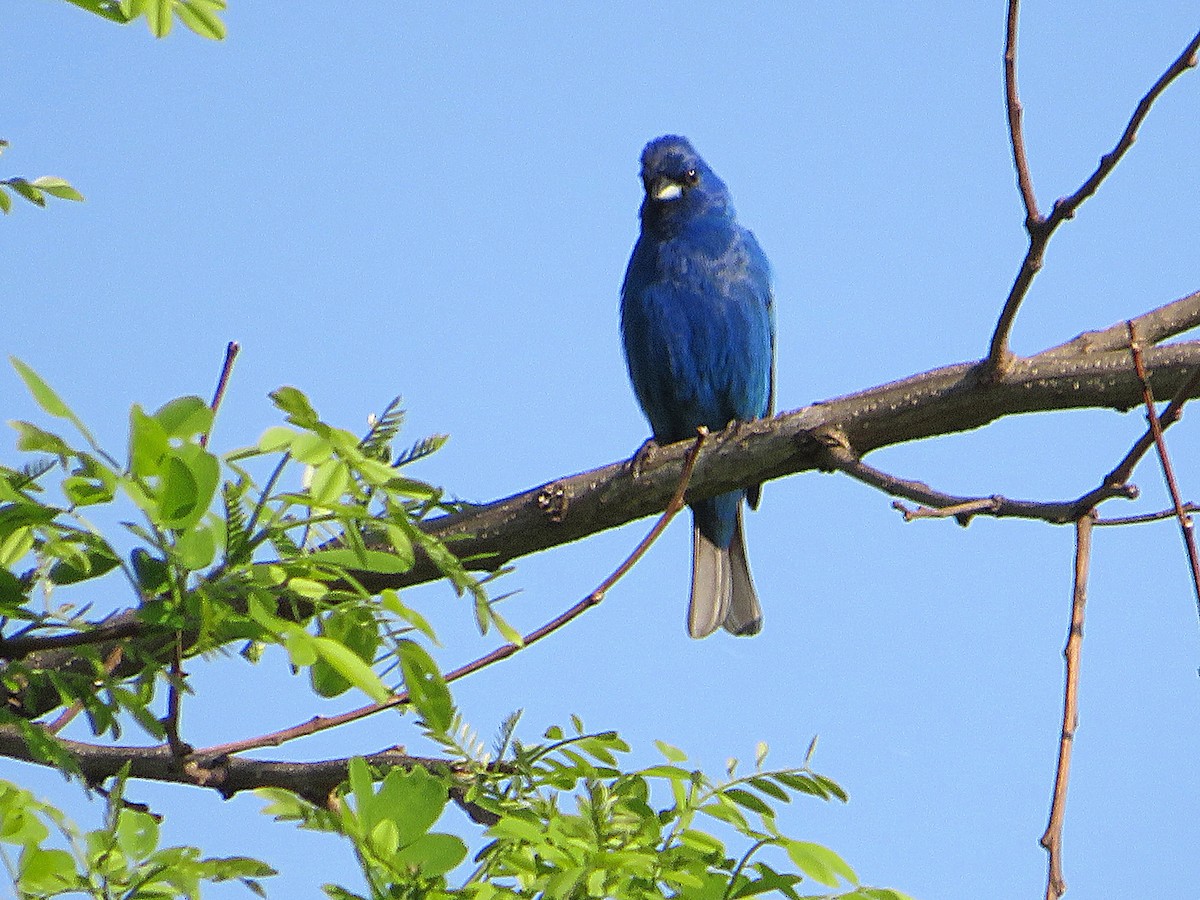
[(698, 324)]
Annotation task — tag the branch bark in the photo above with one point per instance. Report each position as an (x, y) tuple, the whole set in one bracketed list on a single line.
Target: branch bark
[(1093, 370), (225, 774)]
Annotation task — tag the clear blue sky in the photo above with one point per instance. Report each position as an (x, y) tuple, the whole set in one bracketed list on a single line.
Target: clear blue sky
[(439, 201)]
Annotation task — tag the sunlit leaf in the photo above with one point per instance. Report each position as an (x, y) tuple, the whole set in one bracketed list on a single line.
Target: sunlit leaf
[(425, 685)]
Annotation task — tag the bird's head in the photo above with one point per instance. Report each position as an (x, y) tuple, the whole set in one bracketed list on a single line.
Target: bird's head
[(679, 184)]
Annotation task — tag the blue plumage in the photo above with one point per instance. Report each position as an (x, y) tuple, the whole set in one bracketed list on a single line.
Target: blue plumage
[(698, 323)]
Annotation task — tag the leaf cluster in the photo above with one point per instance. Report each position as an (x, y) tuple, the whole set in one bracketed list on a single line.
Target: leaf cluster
[(268, 545), (47, 855), (217, 557), (35, 191), (201, 16), (570, 820)]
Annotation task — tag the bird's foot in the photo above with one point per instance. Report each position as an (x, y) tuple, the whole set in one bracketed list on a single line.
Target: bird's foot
[(642, 457)]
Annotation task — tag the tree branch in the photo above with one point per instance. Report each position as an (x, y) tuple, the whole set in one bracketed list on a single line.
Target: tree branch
[(1082, 373), (1056, 885), (1156, 431), (227, 775), (1041, 228)]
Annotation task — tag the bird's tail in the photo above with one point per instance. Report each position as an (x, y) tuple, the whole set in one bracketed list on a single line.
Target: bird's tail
[(722, 589)]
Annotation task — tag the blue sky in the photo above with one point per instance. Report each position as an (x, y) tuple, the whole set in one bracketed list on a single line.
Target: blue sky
[(439, 201)]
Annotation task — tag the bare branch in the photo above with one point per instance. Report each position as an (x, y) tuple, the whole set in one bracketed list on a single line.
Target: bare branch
[(1052, 838), (1015, 112), (939, 505), (1146, 518), (1065, 208), (1041, 229), (1154, 327), (1156, 429), (231, 351)]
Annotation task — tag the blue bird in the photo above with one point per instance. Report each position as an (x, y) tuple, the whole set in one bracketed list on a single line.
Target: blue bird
[(698, 324)]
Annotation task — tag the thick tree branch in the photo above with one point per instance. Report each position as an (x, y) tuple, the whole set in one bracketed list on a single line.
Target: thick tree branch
[(1083, 373), (227, 775)]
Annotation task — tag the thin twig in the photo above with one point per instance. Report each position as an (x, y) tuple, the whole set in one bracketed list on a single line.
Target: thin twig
[(1156, 428), (939, 505), (322, 723), (838, 454), (231, 351), (1015, 111), (76, 708), (1041, 228), (1146, 518), (175, 683), (1065, 208), (1056, 886)]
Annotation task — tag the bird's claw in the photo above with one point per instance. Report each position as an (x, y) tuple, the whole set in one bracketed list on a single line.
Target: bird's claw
[(642, 457)]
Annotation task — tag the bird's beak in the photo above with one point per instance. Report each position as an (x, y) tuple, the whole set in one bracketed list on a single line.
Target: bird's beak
[(665, 189)]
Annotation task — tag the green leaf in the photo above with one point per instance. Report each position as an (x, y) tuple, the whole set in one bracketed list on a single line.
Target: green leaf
[(46, 871), (307, 587), (330, 480), (26, 190), (151, 571), (519, 829), (45, 396), (726, 813), (19, 823), (425, 685), (158, 16), (83, 491), (12, 591), (412, 800), (196, 547), (15, 545), (390, 600), (295, 404), (312, 449), (819, 863), (57, 187), (361, 785), (137, 833), (356, 628), (276, 438), (832, 787), (31, 439), (104, 8), (201, 17), (433, 854), (748, 800), (189, 483), (365, 561), (301, 646), (672, 754), (148, 443), (184, 417), (347, 664), (401, 545), (97, 559), (771, 789), (5, 200)]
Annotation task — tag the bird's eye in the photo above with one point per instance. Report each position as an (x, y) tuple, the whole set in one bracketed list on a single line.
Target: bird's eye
[(691, 176)]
